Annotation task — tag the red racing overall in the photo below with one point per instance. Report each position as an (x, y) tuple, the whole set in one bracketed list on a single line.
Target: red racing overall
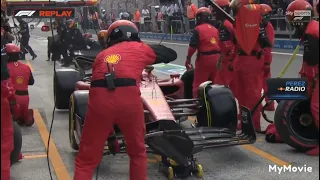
[(267, 53), (248, 76), (205, 39), (21, 77), (310, 71), (122, 106), (227, 46), (7, 103)]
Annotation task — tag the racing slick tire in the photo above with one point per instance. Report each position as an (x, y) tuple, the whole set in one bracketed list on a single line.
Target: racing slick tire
[(187, 79), (17, 143), (294, 123), (77, 112), (64, 81), (213, 113)]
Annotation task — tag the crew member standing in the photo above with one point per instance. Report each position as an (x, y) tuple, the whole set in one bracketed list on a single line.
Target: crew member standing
[(117, 71), (309, 32), (25, 36), (191, 13), (8, 104), (266, 11), (205, 40), (136, 18), (74, 41), (21, 77), (249, 64), (227, 45)]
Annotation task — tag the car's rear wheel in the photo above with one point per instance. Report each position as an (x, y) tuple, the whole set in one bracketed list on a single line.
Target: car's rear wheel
[(72, 139)]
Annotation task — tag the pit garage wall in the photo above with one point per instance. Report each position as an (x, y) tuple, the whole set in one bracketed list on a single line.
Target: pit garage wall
[(278, 44)]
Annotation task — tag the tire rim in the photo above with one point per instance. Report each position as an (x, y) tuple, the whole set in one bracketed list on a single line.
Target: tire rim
[(301, 121)]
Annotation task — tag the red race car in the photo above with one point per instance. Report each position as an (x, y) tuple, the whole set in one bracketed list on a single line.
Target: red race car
[(164, 104)]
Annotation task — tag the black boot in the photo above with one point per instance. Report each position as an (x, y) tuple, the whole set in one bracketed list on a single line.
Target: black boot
[(34, 56)]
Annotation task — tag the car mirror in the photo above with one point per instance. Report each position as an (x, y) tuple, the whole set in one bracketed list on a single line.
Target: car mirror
[(45, 28)]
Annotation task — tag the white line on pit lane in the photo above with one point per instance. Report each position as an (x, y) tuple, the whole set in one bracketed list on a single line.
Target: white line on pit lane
[(181, 44)]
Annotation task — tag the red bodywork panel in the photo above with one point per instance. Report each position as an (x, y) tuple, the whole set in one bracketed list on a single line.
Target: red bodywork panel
[(152, 94), (155, 102)]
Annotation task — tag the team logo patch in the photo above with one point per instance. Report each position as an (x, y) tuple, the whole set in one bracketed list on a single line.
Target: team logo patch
[(19, 80), (113, 58), (213, 41)]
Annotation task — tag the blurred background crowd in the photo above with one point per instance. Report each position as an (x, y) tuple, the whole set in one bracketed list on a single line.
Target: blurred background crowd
[(167, 16)]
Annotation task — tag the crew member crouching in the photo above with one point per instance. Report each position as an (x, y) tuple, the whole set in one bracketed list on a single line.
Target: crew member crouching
[(205, 40), (21, 76)]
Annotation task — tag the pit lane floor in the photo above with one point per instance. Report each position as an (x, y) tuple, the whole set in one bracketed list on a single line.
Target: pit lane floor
[(228, 163)]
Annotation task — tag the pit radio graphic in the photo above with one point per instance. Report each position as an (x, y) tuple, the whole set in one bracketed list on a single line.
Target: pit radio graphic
[(287, 89)]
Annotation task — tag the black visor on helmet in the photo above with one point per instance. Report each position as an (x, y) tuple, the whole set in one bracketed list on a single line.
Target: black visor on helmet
[(204, 17), (123, 33)]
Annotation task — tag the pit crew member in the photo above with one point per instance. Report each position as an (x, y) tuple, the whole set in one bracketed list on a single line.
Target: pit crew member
[(8, 105), (21, 77), (266, 11), (74, 40), (249, 64), (309, 33), (227, 46), (116, 76), (25, 36), (205, 40), (56, 42)]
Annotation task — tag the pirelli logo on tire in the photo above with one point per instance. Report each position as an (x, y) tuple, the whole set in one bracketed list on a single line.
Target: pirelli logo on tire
[(44, 13)]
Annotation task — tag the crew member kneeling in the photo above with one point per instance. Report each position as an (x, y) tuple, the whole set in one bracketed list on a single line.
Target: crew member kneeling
[(114, 98), (205, 39), (21, 77)]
